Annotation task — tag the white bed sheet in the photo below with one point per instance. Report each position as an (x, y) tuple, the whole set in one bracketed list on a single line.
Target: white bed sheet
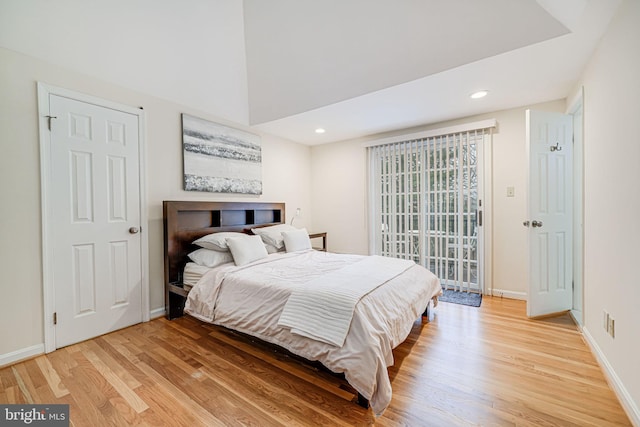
[(251, 298), (192, 274)]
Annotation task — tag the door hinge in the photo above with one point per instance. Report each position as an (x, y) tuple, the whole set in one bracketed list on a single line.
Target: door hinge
[(49, 120), (55, 318)]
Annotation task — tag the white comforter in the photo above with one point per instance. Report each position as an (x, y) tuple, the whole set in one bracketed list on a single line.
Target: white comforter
[(250, 299)]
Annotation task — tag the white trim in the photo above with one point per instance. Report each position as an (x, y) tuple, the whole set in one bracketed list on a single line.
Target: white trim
[(487, 250), (144, 218), (576, 101), (82, 97), (22, 354), (156, 313), (620, 390), (47, 248), (44, 91), (576, 110), (576, 315), (500, 293), (370, 206), (467, 127)]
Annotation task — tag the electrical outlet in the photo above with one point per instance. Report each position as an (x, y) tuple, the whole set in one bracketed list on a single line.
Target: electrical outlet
[(511, 191), (606, 320), (612, 327)]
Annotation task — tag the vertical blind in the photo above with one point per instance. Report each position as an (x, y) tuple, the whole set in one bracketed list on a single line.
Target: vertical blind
[(424, 204)]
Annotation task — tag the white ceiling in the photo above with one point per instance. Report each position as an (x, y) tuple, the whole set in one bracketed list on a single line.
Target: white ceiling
[(363, 67)]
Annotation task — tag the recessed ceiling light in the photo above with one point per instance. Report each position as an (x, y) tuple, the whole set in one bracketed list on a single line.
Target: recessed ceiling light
[(320, 130), (479, 94)]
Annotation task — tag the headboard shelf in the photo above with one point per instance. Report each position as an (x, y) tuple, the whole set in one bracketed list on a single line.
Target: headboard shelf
[(197, 219), (186, 221)]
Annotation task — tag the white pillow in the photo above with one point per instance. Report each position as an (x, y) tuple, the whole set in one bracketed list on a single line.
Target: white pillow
[(272, 249), (216, 241), (297, 240), (272, 235), (246, 249), (210, 258)]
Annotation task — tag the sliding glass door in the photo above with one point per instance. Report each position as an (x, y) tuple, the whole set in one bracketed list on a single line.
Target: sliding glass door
[(426, 205)]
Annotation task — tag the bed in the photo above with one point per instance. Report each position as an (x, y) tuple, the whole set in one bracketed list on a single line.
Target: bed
[(281, 298)]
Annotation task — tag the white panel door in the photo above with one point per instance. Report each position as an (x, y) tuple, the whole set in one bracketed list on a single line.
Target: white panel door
[(549, 144), (95, 208)]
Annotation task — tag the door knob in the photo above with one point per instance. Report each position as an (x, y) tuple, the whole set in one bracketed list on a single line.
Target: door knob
[(535, 223), (133, 230), (525, 223)]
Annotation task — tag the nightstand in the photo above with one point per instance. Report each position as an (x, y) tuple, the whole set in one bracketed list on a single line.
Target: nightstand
[(324, 240)]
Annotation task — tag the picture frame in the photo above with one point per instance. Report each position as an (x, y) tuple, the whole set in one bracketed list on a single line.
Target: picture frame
[(220, 159)]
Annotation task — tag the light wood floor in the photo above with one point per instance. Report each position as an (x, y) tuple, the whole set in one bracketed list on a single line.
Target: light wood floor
[(486, 366)]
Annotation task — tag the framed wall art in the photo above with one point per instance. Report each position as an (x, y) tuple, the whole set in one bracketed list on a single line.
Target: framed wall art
[(220, 159)]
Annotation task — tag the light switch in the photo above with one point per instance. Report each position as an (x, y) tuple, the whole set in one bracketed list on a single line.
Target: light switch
[(511, 191)]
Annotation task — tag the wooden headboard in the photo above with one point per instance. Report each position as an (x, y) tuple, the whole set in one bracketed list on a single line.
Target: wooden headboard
[(186, 221)]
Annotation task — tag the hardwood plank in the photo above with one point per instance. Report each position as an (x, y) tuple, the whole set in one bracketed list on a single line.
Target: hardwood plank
[(23, 381), (53, 379), (469, 366), (122, 373), (92, 393), (166, 408), (203, 417), (14, 395), (118, 384), (7, 379)]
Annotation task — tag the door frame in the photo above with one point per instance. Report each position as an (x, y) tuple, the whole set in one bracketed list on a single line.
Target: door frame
[(48, 295), (575, 109), (485, 259)]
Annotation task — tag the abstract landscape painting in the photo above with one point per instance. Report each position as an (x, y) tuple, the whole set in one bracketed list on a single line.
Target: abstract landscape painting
[(220, 159)]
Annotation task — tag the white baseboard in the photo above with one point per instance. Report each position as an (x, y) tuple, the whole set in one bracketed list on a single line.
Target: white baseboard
[(509, 294), (22, 354), (577, 318), (157, 312), (614, 381)]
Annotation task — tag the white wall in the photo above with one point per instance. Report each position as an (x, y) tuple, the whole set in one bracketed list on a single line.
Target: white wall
[(190, 54), (340, 206), (285, 176), (612, 198), (339, 189)]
